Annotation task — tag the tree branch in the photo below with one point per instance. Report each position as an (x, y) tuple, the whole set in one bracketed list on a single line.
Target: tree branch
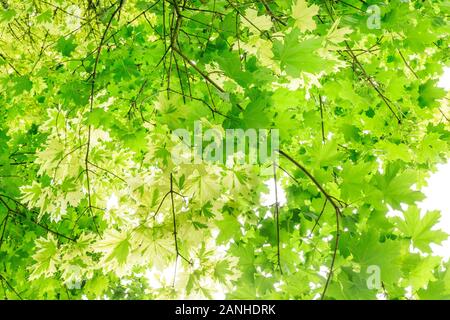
[(3, 279), (178, 254), (337, 210), (277, 217)]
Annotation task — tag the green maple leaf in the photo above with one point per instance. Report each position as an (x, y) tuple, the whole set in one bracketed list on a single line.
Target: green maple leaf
[(369, 251), (419, 271), (125, 69), (429, 93), (255, 116), (395, 186), (420, 229), (46, 257), (351, 285), (157, 73), (97, 285), (229, 226), (115, 246), (120, 252), (439, 289), (354, 179), (66, 45), (303, 15), (7, 15), (45, 17), (21, 84), (222, 270), (297, 56)]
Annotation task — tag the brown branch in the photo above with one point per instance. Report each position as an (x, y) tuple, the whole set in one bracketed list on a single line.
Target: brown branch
[(443, 114), (277, 217), (313, 179), (91, 106), (337, 210), (318, 218), (371, 82), (64, 157), (4, 223), (204, 75), (333, 259), (3, 279), (10, 64), (20, 214), (178, 254), (212, 109), (290, 175), (270, 12), (321, 117), (107, 171), (407, 64), (247, 19), (350, 5)]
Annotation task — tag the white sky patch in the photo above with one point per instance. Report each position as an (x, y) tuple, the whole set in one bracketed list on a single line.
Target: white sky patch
[(444, 82), (438, 190), (112, 202), (438, 198)]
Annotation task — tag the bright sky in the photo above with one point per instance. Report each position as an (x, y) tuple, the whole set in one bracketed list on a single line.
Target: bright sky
[(438, 190)]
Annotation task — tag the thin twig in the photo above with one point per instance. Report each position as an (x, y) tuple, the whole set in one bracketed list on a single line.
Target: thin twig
[(321, 117), (277, 217), (337, 210), (407, 64), (204, 75), (178, 254), (2, 278)]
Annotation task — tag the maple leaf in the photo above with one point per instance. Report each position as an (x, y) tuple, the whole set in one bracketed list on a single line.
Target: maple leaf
[(395, 187), (369, 251), (338, 35), (115, 246), (300, 56), (46, 257), (420, 229), (256, 23)]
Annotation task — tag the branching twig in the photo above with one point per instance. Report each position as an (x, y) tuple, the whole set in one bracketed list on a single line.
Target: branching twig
[(330, 198), (407, 64), (362, 69), (204, 75), (270, 12), (4, 223), (2, 278), (178, 254), (321, 117), (91, 106), (318, 218), (20, 214)]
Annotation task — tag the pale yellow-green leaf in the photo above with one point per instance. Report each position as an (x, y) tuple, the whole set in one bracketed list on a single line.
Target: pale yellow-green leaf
[(338, 35), (256, 23), (303, 15), (46, 258)]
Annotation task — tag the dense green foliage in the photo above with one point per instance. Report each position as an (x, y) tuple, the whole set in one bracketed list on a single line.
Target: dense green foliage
[(92, 203)]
